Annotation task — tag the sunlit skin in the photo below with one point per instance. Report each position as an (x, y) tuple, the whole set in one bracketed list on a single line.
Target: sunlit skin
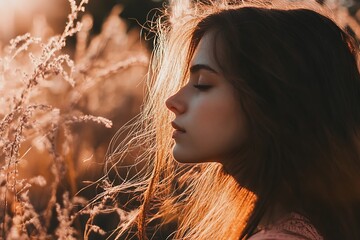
[(209, 122)]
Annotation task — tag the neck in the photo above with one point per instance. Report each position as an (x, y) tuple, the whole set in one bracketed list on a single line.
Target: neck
[(272, 215)]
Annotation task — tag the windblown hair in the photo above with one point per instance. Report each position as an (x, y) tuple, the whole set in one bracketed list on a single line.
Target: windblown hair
[(296, 75)]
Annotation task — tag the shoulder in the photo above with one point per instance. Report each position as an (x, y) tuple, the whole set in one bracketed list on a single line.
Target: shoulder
[(292, 227)]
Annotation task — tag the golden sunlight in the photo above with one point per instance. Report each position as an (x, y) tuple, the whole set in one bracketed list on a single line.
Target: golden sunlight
[(18, 16)]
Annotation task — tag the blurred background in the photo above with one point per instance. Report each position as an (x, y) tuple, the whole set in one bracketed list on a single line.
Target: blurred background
[(20, 16), (96, 78)]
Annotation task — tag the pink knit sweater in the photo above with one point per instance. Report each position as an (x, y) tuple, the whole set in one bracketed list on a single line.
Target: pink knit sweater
[(291, 227)]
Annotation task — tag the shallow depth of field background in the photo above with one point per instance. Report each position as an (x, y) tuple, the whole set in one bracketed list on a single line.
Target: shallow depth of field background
[(61, 101)]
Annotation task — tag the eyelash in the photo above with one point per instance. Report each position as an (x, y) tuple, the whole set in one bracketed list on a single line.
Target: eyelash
[(201, 87)]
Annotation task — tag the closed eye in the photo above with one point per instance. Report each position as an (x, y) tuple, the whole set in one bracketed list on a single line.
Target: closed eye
[(202, 87)]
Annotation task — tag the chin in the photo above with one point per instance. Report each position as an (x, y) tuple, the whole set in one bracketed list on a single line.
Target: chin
[(184, 160), (181, 158)]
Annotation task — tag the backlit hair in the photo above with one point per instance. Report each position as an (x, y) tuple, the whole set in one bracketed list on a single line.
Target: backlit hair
[(296, 76)]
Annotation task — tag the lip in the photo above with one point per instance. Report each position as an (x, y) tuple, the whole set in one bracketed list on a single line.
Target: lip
[(177, 134), (177, 127), (178, 130)]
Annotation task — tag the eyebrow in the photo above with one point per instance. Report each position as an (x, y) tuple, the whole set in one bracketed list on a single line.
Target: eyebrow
[(197, 67)]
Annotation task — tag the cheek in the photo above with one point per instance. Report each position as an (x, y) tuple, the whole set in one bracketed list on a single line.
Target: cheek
[(211, 135), (220, 118), (220, 130)]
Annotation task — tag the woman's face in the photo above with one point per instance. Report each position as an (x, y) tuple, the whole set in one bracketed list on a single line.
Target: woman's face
[(209, 123)]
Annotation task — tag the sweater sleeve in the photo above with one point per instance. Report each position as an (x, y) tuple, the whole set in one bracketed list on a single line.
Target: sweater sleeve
[(293, 227)]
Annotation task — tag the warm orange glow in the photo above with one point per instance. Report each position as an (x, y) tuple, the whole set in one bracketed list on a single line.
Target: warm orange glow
[(18, 16)]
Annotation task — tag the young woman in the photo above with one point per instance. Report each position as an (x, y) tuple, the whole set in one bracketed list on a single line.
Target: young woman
[(264, 115)]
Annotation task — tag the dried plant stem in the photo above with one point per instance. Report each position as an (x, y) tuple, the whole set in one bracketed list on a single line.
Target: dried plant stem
[(71, 173), (54, 46), (12, 163), (56, 172)]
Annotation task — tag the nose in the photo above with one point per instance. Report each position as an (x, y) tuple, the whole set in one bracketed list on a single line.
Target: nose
[(175, 104)]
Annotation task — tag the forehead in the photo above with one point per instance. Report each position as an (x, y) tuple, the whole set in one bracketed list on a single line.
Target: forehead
[(205, 52)]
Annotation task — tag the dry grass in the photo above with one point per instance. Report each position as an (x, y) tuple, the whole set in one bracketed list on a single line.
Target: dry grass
[(54, 115)]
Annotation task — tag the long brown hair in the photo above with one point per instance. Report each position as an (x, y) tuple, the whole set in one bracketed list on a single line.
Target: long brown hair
[(298, 83), (297, 79)]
